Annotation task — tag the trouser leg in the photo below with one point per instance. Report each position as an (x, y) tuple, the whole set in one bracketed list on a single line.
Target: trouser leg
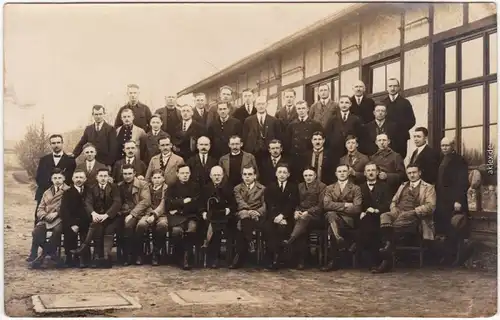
[(333, 221), (39, 235), (300, 227), (54, 240), (129, 242), (160, 234), (140, 235)]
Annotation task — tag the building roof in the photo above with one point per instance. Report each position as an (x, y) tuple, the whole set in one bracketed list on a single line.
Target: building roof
[(279, 45)]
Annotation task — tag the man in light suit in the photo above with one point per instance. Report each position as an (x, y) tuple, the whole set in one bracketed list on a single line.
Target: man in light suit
[(342, 206), (167, 161), (200, 110), (413, 204), (130, 132), (355, 160), (102, 135), (259, 129), (287, 113), (247, 109), (90, 166), (362, 106), (324, 109), (234, 162)]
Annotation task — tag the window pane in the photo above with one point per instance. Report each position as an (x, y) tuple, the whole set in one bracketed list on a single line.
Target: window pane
[(493, 53), (450, 113), (451, 64), (450, 134), (472, 58), (336, 90), (472, 146), (472, 106), (394, 70), (378, 79), (489, 198), (493, 103)]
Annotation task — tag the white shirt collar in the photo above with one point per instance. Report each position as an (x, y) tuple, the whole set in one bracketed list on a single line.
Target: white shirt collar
[(415, 184), (250, 187), (277, 158), (155, 132), (165, 156), (155, 188), (342, 184), (224, 120), (304, 119), (187, 122), (127, 160), (358, 99), (346, 113), (79, 189), (393, 97), (283, 184), (380, 122), (325, 101), (262, 116), (201, 155), (102, 186), (91, 163), (420, 149), (235, 154)]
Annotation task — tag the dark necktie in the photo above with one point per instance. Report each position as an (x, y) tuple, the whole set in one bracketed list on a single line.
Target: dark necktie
[(316, 161), (129, 161), (414, 156), (184, 126), (351, 158), (81, 190), (282, 187), (274, 162), (344, 117), (261, 122), (203, 160)]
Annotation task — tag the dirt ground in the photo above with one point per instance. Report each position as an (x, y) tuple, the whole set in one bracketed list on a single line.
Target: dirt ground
[(426, 292)]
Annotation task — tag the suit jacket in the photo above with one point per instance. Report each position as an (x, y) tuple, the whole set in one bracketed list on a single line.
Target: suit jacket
[(378, 198), (104, 141), (253, 141), (323, 114), (212, 113), (201, 174), (139, 136), (186, 141), (92, 175), (241, 113), (159, 211), (170, 168), (44, 172), (139, 166), (285, 118), (335, 201), (428, 162), (252, 199), (281, 202), (152, 148), (330, 161), (401, 113), (392, 164), (311, 198), (248, 159), (298, 136), (140, 197), (219, 135), (359, 162), (112, 200), (223, 193), (174, 200), (364, 110), (201, 119), (51, 202), (72, 210), (338, 130), (425, 209), (166, 125), (451, 184), (268, 171), (371, 130), (142, 115)]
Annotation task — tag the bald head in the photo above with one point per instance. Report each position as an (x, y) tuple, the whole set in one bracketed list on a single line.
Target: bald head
[(203, 144), (447, 145), (358, 88), (216, 174)]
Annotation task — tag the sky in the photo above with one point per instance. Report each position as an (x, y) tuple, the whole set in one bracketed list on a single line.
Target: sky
[(64, 58)]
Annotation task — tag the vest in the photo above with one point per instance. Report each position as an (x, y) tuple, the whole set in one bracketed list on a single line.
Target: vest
[(156, 196), (409, 198)]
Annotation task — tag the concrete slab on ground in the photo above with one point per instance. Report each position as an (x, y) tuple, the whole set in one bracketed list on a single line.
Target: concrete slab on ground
[(54, 303), (189, 297)]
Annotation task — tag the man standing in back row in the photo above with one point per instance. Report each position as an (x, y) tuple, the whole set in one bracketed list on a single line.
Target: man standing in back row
[(142, 113), (324, 109)]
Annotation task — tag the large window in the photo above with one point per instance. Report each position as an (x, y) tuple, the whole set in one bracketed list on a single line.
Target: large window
[(468, 89), (312, 93), (380, 72)]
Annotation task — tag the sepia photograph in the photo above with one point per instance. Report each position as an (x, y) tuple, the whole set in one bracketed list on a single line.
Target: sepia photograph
[(271, 159)]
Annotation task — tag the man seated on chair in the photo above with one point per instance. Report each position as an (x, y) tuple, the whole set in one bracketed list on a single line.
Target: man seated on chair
[(49, 219), (412, 205), (181, 208), (376, 200), (307, 214), (75, 220), (102, 203), (250, 211), (155, 215), (342, 206), (135, 199), (282, 197), (217, 202)]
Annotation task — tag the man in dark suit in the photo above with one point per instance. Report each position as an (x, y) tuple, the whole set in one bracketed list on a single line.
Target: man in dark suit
[(342, 206), (217, 203), (376, 200), (299, 132), (325, 108), (320, 159), (152, 138), (56, 159), (90, 166), (379, 125), (269, 164), (201, 163), (200, 110), (170, 115), (75, 220), (390, 163), (187, 134), (259, 129), (247, 109), (130, 132), (101, 135), (362, 106), (130, 151), (343, 124), (399, 111), (142, 113), (281, 200), (452, 209), (225, 95), (221, 129), (355, 160), (424, 156), (287, 113)]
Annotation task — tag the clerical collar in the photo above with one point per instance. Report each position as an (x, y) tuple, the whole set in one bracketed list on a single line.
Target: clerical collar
[(224, 119), (235, 154)]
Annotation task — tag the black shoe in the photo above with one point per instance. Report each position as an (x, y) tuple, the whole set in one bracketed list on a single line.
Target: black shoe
[(154, 260), (237, 261), (78, 251), (300, 265), (138, 260), (214, 264), (185, 263), (37, 262), (353, 248), (384, 267), (331, 266), (31, 258)]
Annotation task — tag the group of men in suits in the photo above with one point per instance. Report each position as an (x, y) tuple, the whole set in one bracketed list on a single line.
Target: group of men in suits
[(223, 169)]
